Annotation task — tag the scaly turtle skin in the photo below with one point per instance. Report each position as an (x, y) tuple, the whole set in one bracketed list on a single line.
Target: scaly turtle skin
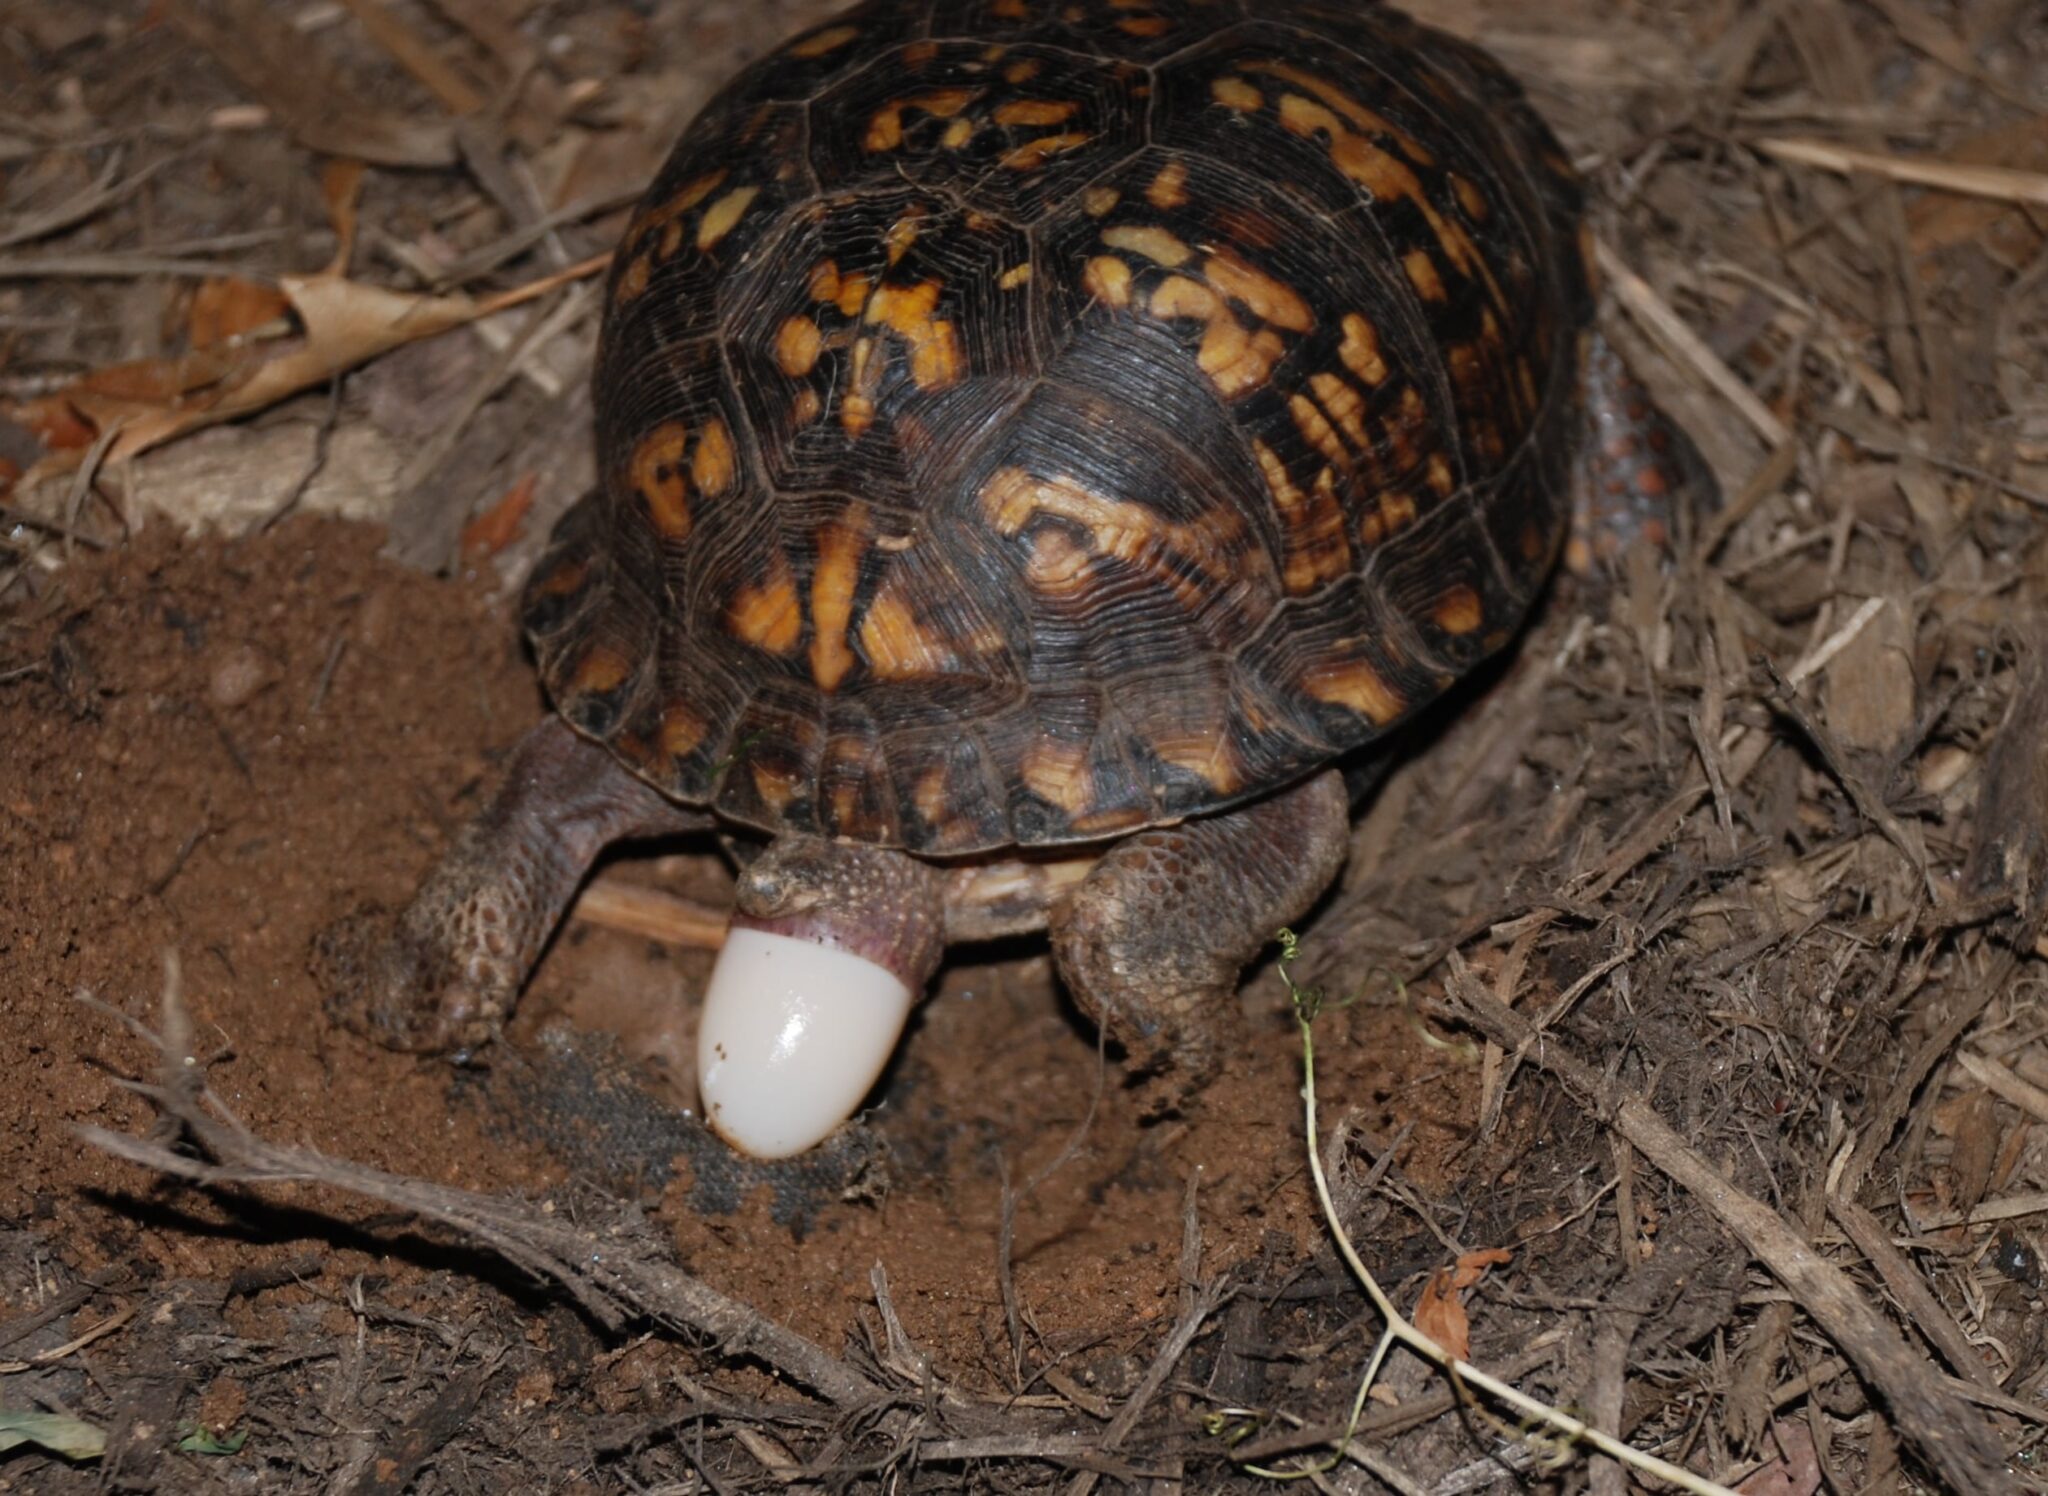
[(1032, 424)]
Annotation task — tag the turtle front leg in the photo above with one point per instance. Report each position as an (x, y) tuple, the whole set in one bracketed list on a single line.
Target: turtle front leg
[(444, 976), (830, 947), (1152, 942)]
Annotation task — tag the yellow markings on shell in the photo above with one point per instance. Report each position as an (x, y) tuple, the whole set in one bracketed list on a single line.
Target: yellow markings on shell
[(1317, 550), (1098, 201), (1350, 127), (666, 216), (934, 804), (713, 466), (1108, 280), (1209, 756), (896, 644), (1437, 473), (1360, 349), (829, 40), (857, 409), (1023, 70), (1392, 512), (658, 478), (601, 670), (1169, 189), (853, 295), (1145, 25), (1151, 241), (1459, 612), (840, 547), (1010, 10), (1058, 567), (1036, 112), (1424, 276), (1344, 405), (1405, 429), (1233, 92), (1237, 359), (918, 54), (825, 281), (1034, 153), (798, 343), (1266, 298), (1015, 276), (1317, 431), (770, 616), (1057, 773), (885, 129), (901, 236), (633, 280), (1356, 114), (935, 357), (1355, 685), (809, 405), (1470, 198), (681, 731), (1193, 559), (959, 134), (776, 787), (723, 216), (1178, 296)]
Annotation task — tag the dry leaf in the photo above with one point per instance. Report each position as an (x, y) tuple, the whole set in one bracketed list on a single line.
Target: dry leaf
[(1795, 1473), (341, 185), (226, 308), (501, 524), (1440, 1314), (345, 322)]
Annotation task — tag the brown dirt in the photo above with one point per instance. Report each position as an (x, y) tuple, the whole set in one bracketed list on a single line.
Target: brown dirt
[(1759, 845), (231, 744)]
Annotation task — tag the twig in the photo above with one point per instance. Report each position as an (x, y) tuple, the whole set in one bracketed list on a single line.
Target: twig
[(2005, 183), (1399, 1331), (634, 909), (1661, 322), (1953, 1440), (611, 1274)]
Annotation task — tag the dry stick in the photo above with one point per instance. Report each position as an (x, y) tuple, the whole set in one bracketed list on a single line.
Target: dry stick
[(1208, 1298), (2004, 183), (1640, 299), (1972, 1001), (635, 909), (1923, 1309), (1952, 1439), (604, 1272)]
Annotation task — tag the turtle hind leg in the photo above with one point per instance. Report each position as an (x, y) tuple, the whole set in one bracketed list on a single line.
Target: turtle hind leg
[(1152, 942), (446, 972), (1638, 479)]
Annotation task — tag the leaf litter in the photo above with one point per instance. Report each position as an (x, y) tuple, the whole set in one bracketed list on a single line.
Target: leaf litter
[(1693, 1082)]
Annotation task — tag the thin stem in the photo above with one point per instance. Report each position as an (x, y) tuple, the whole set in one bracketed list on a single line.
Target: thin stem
[(1306, 1006)]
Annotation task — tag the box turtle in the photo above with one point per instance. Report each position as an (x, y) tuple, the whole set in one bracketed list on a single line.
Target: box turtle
[(1039, 440)]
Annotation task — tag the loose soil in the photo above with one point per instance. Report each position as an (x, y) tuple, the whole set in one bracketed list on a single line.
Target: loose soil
[(1693, 1062), (233, 744)]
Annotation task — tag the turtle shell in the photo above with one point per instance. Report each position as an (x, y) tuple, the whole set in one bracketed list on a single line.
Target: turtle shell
[(1025, 421)]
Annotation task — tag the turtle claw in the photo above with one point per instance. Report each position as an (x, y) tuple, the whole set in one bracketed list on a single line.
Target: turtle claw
[(393, 984)]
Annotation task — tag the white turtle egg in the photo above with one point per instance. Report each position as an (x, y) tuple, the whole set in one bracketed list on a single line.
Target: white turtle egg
[(794, 1034)]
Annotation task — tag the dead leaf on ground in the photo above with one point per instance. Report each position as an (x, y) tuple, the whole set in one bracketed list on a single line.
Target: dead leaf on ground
[(502, 523), (346, 323), (228, 308), (1440, 1314), (1796, 1471)]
